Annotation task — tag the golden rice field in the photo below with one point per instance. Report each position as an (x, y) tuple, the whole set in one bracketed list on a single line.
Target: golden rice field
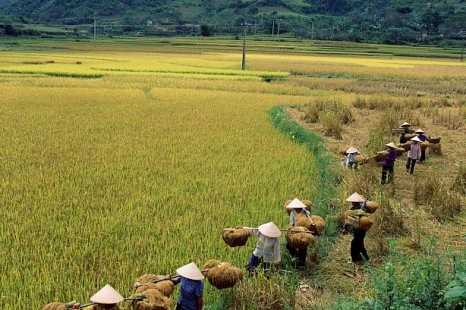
[(115, 162)]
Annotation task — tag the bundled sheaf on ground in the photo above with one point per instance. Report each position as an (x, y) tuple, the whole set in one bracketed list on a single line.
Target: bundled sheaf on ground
[(236, 236), (222, 275), (145, 282), (300, 237)]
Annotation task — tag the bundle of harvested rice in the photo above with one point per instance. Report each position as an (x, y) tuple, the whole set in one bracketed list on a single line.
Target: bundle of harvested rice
[(434, 140), (365, 223), (342, 151), (406, 146), (299, 237), (303, 220), (224, 276), (288, 211), (435, 149), (103, 307), (54, 306), (361, 159), (236, 236), (308, 204), (145, 282), (211, 263), (319, 224), (410, 135), (371, 206), (400, 151), (347, 213), (152, 300), (352, 221), (380, 156), (425, 145)]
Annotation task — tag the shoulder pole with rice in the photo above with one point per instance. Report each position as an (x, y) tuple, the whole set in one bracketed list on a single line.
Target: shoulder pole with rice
[(281, 229)]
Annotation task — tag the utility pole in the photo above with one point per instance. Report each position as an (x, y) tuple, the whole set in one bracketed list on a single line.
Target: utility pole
[(462, 54), (273, 26), (95, 26), (312, 30), (278, 27), (243, 62)]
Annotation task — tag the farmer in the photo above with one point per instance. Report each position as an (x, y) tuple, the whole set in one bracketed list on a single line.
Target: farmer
[(297, 207), (351, 162), (414, 154), (357, 202), (388, 163), (403, 138), (107, 297), (406, 126), (267, 249), (192, 287), (358, 251), (422, 137)]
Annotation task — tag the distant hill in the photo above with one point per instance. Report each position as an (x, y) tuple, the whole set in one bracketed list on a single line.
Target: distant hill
[(389, 21)]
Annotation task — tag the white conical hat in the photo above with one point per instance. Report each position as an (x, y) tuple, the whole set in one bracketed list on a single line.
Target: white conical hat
[(405, 124), (296, 204), (270, 229), (419, 131), (351, 150), (416, 138), (107, 296), (355, 198), (190, 271), (391, 144)]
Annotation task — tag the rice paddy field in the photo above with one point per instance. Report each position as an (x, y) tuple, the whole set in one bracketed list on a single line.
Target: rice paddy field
[(129, 156)]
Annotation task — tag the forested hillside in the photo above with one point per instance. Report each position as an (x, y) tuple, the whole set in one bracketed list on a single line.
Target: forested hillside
[(390, 21)]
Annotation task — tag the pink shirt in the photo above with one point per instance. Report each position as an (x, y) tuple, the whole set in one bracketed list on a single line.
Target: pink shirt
[(415, 152)]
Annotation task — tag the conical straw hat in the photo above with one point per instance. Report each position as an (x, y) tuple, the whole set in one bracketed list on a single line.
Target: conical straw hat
[(107, 296), (405, 124), (351, 150), (416, 139), (391, 144), (270, 230), (355, 198), (190, 271), (296, 204), (419, 131)]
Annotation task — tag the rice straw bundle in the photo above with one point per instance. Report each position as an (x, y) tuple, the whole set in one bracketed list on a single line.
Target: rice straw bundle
[(409, 136), (211, 263), (54, 306), (365, 223), (144, 283), (103, 307), (406, 146), (361, 159), (347, 213), (425, 145), (434, 140), (319, 224), (153, 300), (435, 149), (380, 156), (352, 221), (400, 151), (236, 237), (288, 211), (342, 151), (224, 276), (308, 204), (300, 238), (371, 206), (303, 220)]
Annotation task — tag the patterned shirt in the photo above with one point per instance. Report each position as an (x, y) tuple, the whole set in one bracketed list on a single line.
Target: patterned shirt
[(191, 290)]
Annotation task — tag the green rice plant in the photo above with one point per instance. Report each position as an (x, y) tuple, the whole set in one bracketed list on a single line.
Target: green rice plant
[(376, 141), (459, 183)]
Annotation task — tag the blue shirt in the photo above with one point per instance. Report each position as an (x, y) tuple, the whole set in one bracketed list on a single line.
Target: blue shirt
[(390, 160), (191, 290)]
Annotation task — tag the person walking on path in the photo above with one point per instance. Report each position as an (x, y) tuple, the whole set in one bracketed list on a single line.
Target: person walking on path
[(388, 163), (421, 135), (414, 154), (267, 249), (351, 161), (358, 251), (406, 127)]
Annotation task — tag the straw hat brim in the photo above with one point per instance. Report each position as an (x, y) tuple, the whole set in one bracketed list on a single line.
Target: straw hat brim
[(419, 131), (107, 296), (355, 197), (405, 124), (352, 150), (296, 204), (270, 230), (416, 139), (391, 144), (190, 271)]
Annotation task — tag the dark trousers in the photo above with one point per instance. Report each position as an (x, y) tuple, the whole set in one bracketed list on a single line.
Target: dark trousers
[(254, 262), (410, 163), (423, 156), (358, 251), (299, 254), (387, 174)]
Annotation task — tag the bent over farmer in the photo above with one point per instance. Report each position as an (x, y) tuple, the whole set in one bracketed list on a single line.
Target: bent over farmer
[(267, 250)]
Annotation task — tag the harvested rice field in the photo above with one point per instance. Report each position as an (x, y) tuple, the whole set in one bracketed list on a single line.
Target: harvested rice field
[(126, 157)]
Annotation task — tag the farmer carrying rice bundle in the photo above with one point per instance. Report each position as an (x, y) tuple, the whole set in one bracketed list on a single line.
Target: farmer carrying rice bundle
[(298, 208), (351, 161), (192, 287), (267, 251), (106, 298), (388, 163)]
